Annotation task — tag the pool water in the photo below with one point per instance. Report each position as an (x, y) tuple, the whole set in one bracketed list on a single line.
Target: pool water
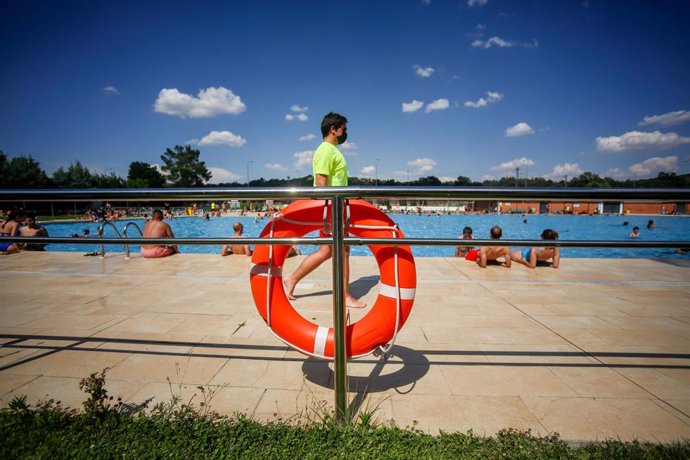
[(570, 227)]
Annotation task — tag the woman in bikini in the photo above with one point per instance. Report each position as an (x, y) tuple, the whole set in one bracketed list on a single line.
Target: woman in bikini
[(530, 257)]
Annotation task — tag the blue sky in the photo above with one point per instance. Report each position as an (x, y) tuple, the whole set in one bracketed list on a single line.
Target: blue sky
[(445, 88)]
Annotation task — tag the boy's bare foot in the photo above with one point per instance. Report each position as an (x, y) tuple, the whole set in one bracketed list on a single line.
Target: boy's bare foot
[(351, 302), (289, 287)]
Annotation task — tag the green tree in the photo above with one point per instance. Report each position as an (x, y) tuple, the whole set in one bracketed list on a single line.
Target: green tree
[(589, 179), (144, 175), (76, 176), (183, 168), (23, 172), (111, 180)]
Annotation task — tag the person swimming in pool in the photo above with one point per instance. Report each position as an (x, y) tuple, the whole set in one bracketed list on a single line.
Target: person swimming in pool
[(530, 257), (32, 230), (635, 233), (461, 251), (156, 228), (493, 253)]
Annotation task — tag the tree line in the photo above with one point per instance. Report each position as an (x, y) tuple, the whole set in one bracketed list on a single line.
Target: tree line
[(182, 167)]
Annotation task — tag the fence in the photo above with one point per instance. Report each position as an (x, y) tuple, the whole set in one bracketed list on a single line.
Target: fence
[(338, 195)]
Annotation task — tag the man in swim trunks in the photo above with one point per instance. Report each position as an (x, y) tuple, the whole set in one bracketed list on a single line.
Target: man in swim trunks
[(32, 230), (330, 169), (237, 249), (492, 253), (156, 228)]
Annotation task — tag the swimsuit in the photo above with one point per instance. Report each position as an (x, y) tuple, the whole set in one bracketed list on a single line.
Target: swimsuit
[(5, 246), (158, 251), (526, 253)]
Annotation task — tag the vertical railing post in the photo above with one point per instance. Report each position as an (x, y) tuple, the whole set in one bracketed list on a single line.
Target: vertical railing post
[(340, 355)]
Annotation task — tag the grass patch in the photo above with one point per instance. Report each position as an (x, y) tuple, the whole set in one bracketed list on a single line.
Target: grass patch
[(106, 428)]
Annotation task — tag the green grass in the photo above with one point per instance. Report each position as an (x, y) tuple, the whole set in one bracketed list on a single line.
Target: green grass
[(106, 428)]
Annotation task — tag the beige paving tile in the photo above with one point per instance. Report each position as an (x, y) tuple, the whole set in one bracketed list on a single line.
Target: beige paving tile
[(9, 382), (63, 389), (484, 415), (599, 382), (604, 418), (501, 380), (178, 369), (69, 363)]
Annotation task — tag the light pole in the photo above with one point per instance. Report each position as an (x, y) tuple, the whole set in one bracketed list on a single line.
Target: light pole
[(376, 173), (250, 161)]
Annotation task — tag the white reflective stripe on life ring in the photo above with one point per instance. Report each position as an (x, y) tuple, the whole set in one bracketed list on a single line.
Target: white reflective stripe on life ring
[(262, 270), (390, 291), (320, 341)]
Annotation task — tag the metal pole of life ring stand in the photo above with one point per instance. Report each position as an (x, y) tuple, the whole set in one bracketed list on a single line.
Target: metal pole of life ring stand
[(339, 318)]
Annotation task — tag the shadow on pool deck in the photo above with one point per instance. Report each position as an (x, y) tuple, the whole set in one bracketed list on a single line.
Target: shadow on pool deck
[(598, 348)]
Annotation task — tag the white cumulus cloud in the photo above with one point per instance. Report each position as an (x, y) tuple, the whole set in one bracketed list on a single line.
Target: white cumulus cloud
[(491, 97), (303, 159), (110, 90), (510, 165), (472, 3), (275, 167), (208, 103), (297, 108), (424, 72), (348, 148), (368, 171), (300, 117), (219, 175), (222, 138), (308, 137), (521, 129), (667, 119), (438, 104), (502, 43), (566, 169), (651, 167), (421, 166), (637, 140), (412, 106)]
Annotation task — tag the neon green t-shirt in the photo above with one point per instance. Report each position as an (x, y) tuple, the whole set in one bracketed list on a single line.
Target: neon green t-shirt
[(330, 162)]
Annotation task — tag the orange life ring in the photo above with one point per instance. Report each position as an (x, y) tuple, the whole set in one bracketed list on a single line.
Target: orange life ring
[(398, 280)]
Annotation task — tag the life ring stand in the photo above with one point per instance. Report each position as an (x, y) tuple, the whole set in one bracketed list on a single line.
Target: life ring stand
[(378, 329)]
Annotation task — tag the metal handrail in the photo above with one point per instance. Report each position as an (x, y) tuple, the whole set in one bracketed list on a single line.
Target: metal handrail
[(124, 232), (100, 230), (554, 194)]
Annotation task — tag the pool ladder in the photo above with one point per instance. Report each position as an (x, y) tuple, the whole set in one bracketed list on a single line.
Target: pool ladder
[(101, 230)]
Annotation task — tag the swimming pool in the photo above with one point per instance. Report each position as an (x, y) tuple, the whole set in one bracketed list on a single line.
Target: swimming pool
[(570, 227)]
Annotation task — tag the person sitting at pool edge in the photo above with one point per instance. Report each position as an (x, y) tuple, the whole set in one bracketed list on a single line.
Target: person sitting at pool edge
[(32, 230), (530, 257), (461, 251), (635, 233), (492, 253), (156, 228), (11, 228), (237, 249)]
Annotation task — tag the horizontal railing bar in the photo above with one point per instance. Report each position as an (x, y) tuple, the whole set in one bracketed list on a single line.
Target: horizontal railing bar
[(355, 242), (553, 194)]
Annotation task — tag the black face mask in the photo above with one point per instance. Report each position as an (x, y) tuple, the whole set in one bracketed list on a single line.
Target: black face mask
[(343, 138)]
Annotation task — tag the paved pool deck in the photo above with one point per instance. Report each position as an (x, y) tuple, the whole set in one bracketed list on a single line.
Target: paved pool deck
[(597, 349)]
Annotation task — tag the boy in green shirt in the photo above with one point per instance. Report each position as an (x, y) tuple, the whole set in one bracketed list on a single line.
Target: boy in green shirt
[(330, 169)]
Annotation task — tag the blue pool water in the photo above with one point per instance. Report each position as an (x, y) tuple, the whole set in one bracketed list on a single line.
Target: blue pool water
[(570, 227)]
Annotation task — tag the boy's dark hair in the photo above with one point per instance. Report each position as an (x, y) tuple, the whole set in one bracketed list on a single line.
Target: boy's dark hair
[(331, 119), (157, 214), (549, 234), (496, 232), (467, 230)]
